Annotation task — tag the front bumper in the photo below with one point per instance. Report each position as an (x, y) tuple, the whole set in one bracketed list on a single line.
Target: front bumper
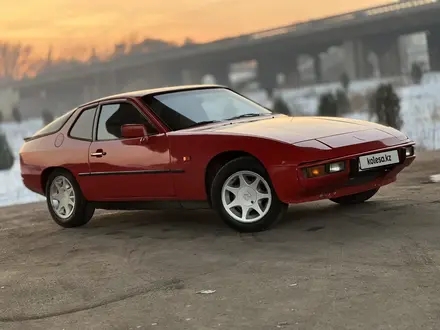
[(348, 182)]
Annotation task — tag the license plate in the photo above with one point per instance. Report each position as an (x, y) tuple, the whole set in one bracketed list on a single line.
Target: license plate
[(378, 160)]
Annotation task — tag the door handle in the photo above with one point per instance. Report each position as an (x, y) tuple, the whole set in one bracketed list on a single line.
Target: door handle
[(98, 154)]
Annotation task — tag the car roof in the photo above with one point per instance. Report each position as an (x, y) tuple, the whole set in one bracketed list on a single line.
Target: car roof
[(145, 92)]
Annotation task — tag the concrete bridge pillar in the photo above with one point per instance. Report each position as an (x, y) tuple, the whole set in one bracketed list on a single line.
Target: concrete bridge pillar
[(192, 76), (267, 72), (357, 65), (433, 38), (270, 66), (173, 76), (31, 101), (387, 50), (288, 65), (142, 77), (317, 64), (221, 73)]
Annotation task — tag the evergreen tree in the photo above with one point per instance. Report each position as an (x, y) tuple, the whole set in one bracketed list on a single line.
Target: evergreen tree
[(386, 105), (47, 116), (16, 114), (371, 105), (281, 107), (416, 73), (343, 102), (345, 81), (6, 156), (328, 105)]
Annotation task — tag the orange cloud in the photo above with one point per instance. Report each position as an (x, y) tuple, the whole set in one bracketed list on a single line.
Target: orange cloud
[(69, 24)]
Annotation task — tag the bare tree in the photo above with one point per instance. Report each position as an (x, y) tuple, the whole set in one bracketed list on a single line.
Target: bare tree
[(16, 60), (151, 45), (188, 42), (93, 56)]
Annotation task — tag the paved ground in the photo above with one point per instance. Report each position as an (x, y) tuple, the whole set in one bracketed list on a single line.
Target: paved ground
[(375, 266)]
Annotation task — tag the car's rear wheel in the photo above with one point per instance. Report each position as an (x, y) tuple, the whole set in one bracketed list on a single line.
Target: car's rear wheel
[(355, 198), (244, 197), (65, 201)]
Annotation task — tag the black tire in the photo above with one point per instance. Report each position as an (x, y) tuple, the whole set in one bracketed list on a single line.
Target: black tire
[(356, 198), (82, 210), (275, 210)]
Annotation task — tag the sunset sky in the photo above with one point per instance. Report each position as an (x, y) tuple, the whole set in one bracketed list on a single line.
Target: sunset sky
[(79, 25)]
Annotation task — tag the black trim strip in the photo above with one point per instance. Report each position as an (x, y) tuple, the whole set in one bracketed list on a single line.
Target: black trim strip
[(95, 108), (152, 205), (131, 172)]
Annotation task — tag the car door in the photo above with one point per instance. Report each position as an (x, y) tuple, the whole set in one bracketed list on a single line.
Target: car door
[(128, 169), (75, 151)]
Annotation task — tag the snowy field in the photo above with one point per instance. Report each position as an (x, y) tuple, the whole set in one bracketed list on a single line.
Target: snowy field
[(12, 190), (420, 105), (420, 109)]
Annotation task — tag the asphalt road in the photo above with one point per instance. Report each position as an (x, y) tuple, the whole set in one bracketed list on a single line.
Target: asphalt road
[(374, 266)]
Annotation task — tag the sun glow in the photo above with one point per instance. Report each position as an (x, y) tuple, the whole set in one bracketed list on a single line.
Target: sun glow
[(73, 27)]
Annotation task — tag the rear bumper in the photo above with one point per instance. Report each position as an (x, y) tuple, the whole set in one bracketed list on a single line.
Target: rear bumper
[(31, 177), (348, 182)]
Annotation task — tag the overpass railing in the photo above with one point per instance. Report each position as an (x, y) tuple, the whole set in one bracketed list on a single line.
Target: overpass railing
[(379, 10)]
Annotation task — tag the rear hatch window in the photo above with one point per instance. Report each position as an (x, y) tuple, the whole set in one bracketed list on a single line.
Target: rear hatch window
[(54, 126)]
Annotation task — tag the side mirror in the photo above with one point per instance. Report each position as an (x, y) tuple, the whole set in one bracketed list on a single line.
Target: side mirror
[(131, 131)]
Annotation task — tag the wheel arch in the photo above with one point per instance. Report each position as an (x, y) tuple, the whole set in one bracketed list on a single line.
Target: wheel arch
[(46, 173), (218, 161)]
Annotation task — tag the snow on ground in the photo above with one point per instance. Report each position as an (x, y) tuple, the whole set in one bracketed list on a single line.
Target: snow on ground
[(420, 105), (421, 114), (420, 108), (12, 190), (305, 99)]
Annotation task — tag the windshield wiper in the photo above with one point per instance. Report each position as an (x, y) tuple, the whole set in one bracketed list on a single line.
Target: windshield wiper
[(246, 115), (203, 123), (218, 121)]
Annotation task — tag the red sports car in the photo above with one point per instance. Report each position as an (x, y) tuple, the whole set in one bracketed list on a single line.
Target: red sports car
[(205, 146)]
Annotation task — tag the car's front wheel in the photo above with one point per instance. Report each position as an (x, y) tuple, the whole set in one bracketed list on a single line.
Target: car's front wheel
[(355, 198), (244, 197), (65, 201)]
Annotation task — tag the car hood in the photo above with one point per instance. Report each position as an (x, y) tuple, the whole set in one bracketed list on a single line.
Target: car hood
[(298, 129)]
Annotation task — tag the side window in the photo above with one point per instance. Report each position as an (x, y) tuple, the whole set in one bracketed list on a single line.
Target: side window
[(113, 116), (83, 126)]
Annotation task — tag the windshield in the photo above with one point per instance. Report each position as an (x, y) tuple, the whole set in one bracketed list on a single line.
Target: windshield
[(180, 110)]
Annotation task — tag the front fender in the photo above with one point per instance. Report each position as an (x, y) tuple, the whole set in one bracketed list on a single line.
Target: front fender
[(190, 183)]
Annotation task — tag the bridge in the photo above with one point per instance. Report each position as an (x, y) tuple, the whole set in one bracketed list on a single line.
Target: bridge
[(374, 30)]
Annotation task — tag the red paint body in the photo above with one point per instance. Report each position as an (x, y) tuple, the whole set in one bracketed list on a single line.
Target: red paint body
[(282, 144)]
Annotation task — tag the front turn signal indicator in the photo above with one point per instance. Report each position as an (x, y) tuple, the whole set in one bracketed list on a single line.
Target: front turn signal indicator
[(321, 170), (315, 171)]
